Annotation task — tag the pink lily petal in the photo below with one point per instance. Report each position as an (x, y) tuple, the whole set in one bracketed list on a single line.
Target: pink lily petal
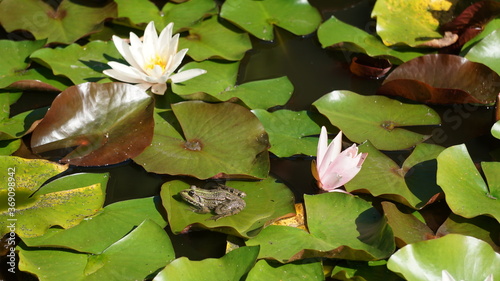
[(345, 167)]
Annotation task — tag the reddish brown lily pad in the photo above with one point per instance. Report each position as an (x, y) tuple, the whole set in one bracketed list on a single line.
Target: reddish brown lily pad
[(443, 79), (369, 67)]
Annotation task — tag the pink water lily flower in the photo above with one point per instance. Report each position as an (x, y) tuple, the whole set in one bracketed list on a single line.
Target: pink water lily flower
[(152, 60), (447, 276), (333, 168)]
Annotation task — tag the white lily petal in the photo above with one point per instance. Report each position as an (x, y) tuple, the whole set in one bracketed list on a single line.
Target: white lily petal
[(322, 146), (186, 75), (177, 60), (445, 276), (149, 42), (159, 89), (128, 70), (124, 49), (144, 86), (489, 277), (121, 76), (135, 42), (164, 39)]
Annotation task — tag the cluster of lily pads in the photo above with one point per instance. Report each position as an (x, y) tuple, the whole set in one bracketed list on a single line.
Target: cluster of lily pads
[(204, 125)]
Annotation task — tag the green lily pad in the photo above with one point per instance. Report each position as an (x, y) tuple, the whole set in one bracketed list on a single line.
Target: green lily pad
[(258, 17), (464, 257), (495, 130), (264, 270), (21, 124), (97, 124), (411, 23), (413, 184), (212, 39), (337, 34), (69, 22), (64, 202), (218, 139), (382, 120), (407, 228), (261, 94), (7, 147), (481, 227), (490, 27), (144, 250), (341, 226), (289, 132), (483, 53), (220, 76), (265, 201), (183, 15), (466, 192), (79, 63), (232, 266), (363, 271), (96, 233)]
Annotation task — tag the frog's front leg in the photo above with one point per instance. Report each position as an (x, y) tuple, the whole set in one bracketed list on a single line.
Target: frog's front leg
[(228, 209)]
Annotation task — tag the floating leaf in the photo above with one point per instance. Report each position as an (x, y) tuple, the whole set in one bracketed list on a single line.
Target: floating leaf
[(99, 121), (464, 257), (413, 184), (219, 139), (96, 233), (7, 147), (382, 119), (487, 29), (220, 76), (143, 251), (442, 79), (69, 22), (182, 15), (261, 94), (212, 39), (288, 132), (63, 202), (466, 192), (483, 53), (362, 271), (337, 34), (350, 229), (265, 201), (232, 266), (365, 66), (411, 23), (264, 270), (258, 17), (407, 228), (79, 63)]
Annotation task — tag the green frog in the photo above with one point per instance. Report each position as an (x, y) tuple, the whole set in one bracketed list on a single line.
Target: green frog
[(223, 200)]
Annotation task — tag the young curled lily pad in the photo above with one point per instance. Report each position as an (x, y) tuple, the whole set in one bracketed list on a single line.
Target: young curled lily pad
[(464, 257), (382, 122), (95, 124), (266, 270), (265, 201), (217, 140), (442, 79)]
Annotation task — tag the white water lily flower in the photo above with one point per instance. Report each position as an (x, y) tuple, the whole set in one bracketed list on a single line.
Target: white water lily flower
[(446, 276), (333, 168), (152, 60)]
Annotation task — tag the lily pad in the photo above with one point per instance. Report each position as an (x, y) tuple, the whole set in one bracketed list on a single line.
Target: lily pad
[(413, 184), (289, 132), (144, 250), (363, 271), (408, 22), (265, 201), (351, 229), (382, 120), (487, 29), (261, 94), (464, 257), (337, 34), (483, 53), (466, 192), (79, 63), (407, 228), (232, 266), (213, 39), (64, 202), (183, 15), (258, 17), (264, 270), (20, 124), (442, 79), (66, 24), (220, 76), (218, 140), (94, 124), (94, 234), (7, 147)]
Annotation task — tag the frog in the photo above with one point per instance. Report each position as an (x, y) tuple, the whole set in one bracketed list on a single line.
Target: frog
[(223, 200)]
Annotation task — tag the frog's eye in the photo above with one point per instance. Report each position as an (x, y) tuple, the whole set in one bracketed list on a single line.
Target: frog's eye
[(191, 193)]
